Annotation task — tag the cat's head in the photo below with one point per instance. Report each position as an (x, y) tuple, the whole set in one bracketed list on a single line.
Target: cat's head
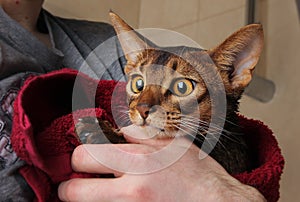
[(165, 83)]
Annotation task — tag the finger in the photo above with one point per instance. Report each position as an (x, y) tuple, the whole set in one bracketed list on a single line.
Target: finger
[(95, 189), (109, 158), (83, 160), (118, 158)]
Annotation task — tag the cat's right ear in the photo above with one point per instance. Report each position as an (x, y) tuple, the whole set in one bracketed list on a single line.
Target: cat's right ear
[(132, 44)]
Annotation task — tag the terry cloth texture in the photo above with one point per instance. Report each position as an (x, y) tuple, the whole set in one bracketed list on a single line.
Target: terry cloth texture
[(43, 132), (88, 46)]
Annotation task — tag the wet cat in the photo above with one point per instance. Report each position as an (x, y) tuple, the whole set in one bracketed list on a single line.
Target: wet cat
[(180, 90)]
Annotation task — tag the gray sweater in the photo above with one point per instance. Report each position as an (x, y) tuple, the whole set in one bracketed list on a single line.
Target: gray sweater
[(89, 47)]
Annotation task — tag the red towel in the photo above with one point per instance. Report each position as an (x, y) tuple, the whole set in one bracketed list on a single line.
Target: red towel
[(43, 132)]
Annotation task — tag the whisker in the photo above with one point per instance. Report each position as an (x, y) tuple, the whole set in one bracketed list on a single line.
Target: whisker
[(202, 124), (123, 119), (230, 122), (193, 129), (120, 107), (188, 134), (213, 134), (189, 120), (195, 137), (218, 141), (197, 120)]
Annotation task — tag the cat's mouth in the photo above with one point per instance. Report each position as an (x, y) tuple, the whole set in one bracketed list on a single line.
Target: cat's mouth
[(161, 133), (145, 132), (156, 125), (152, 131)]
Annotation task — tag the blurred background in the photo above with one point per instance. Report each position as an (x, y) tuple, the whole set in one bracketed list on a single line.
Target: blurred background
[(274, 97)]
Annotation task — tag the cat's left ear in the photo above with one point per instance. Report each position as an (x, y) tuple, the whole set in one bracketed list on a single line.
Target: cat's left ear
[(132, 44), (239, 54)]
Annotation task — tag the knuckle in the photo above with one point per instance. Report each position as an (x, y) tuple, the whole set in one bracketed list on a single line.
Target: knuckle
[(140, 192), (78, 157), (69, 190)]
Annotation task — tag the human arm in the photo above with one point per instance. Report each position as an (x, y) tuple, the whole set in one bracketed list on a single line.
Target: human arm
[(188, 179)]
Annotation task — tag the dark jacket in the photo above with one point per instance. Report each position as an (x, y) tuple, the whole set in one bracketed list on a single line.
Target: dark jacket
[(86, 46)]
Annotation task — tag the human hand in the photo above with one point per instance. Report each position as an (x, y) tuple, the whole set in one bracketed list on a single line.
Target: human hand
[(187, 179)]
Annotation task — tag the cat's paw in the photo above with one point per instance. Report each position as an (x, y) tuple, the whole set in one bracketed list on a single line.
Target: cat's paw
[(92, 130)]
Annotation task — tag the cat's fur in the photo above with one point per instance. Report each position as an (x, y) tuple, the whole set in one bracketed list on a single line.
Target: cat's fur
[(164, 83)]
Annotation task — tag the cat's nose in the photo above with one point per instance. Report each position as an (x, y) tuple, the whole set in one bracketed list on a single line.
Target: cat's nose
[(144, 110)]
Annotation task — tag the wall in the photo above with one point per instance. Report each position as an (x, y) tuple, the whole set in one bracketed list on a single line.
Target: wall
[(208, 22), (283, 68), (95, 10), (203, 21)]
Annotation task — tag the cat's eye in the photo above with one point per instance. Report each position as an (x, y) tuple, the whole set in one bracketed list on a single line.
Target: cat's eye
[(183, 87), (137, 84)]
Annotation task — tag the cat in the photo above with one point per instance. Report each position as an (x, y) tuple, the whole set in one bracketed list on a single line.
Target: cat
[(164, 83)]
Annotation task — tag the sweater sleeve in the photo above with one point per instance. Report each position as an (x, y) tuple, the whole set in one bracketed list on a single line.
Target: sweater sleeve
[(90, 47)]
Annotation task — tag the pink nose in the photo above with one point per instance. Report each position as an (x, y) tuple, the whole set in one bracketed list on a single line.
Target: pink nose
[(144, 110)]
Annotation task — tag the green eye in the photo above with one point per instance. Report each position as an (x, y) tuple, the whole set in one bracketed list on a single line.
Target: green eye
[(137, 84), (183, 87)]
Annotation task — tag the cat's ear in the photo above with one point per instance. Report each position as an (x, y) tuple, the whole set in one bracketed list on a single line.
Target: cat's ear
[(239, 54), (132, 44)]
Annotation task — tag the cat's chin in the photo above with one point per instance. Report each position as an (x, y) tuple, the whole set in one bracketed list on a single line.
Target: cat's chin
[(150, 132)]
